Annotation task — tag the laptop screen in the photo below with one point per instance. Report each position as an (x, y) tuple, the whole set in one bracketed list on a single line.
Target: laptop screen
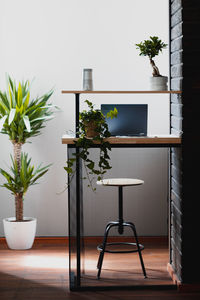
[(131, 119)]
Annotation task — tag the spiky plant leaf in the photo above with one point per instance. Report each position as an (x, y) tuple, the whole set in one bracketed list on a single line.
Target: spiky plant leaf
[(27, 123), (30, 114), (2, 121), (11, 115), (19, 182)]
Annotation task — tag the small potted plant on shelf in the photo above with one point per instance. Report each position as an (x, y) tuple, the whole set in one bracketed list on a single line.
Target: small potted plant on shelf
[(152, 48), (93, 128), (21, 119)]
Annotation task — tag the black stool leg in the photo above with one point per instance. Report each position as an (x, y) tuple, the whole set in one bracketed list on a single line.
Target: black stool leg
[(138, 247), (101, 254), (120, 210)]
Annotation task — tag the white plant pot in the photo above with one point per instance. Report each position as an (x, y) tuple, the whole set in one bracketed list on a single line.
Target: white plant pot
[(158, 83), (20, 235)]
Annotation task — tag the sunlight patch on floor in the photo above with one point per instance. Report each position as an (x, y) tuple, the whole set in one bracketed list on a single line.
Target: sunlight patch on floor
[(42, 262)]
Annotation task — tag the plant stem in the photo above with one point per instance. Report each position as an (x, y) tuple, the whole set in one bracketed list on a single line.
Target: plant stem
[(19, 207), (19, 196), (155, 69), (17, 154), (88, 177)]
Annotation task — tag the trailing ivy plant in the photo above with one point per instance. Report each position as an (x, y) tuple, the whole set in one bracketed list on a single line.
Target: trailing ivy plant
[(92, 118), (152, 48)]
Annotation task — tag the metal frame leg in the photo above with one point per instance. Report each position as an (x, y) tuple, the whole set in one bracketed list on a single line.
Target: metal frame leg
[(101, 254), (130, 224)]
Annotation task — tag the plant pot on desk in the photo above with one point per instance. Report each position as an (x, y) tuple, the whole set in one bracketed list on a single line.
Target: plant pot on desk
[(91, 129)]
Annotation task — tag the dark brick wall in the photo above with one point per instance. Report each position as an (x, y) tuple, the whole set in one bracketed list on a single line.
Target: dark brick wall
[(185, 162), (176, 128)]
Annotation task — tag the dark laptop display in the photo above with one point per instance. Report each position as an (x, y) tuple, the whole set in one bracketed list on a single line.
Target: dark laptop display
[(131, 119)]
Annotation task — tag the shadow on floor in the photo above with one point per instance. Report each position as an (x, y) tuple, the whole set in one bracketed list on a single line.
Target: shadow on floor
[(17, 288)]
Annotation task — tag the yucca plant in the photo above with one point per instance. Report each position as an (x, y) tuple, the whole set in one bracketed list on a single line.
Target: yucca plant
[(18, 181), (22, 118)]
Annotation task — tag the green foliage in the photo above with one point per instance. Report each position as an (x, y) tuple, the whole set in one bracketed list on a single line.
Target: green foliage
[(151, 47), (17, 181), (93, 170), (112, 114), (20, 117)]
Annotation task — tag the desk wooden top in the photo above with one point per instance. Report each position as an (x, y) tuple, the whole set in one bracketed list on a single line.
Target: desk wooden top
[(157, 140), (119, 92)]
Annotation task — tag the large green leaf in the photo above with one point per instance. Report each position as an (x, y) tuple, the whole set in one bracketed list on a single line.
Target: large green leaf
[(4, 103), (26, 102), (11, 116), (19, 95), (44, 118), (2, 121), (11, 97), (27, 123)]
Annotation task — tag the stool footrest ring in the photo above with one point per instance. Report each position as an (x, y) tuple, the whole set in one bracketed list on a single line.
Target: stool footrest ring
[(100, 247)]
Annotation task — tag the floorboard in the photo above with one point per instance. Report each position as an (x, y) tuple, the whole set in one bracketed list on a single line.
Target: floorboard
[(42, 273)]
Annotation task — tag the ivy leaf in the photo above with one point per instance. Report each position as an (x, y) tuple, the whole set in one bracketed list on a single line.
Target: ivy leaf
[(90, 165)]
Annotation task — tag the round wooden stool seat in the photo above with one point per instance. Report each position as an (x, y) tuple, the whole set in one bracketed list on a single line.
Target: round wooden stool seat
[(120, 182)]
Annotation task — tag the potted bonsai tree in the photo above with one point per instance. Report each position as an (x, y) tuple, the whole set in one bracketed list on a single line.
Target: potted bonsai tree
[(152, 48), (21, 119), (93, 128)]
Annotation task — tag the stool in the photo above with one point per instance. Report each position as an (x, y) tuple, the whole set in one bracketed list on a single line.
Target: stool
[(120, 183)]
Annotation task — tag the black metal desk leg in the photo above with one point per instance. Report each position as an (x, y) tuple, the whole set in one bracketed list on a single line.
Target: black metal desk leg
[(77, 109)]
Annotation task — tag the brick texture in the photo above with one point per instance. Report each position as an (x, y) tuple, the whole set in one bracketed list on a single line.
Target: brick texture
[(185, 161), (176, 128)]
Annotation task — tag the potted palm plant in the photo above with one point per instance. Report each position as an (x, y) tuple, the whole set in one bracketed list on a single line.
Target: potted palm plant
[(152, 48), (21, 119), (93, 128)]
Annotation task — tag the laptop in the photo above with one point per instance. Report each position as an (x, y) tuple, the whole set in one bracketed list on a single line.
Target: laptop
[(131, 119)]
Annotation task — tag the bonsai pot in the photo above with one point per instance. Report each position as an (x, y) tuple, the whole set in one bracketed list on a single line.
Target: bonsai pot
[(158, 83), (19, 235)]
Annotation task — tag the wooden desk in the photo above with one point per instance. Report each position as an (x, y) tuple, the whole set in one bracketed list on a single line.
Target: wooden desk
[(75, 190), (150, 141), (119, 92), (75, 197)]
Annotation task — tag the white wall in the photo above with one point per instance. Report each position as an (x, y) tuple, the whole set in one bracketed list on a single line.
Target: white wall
[(52, 41)]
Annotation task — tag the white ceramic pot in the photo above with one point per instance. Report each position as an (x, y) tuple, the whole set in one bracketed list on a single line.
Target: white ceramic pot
[(158, 83), (19, 235)]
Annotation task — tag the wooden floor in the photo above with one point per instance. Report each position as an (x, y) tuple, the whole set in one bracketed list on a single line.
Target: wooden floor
[(125, 269), (42, 273)]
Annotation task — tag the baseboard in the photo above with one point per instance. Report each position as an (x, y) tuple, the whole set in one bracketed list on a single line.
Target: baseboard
[(89, 240), (182, 287)]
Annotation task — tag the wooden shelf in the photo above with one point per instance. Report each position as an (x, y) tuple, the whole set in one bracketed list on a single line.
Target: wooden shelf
[(172, 140), (119, 92)]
